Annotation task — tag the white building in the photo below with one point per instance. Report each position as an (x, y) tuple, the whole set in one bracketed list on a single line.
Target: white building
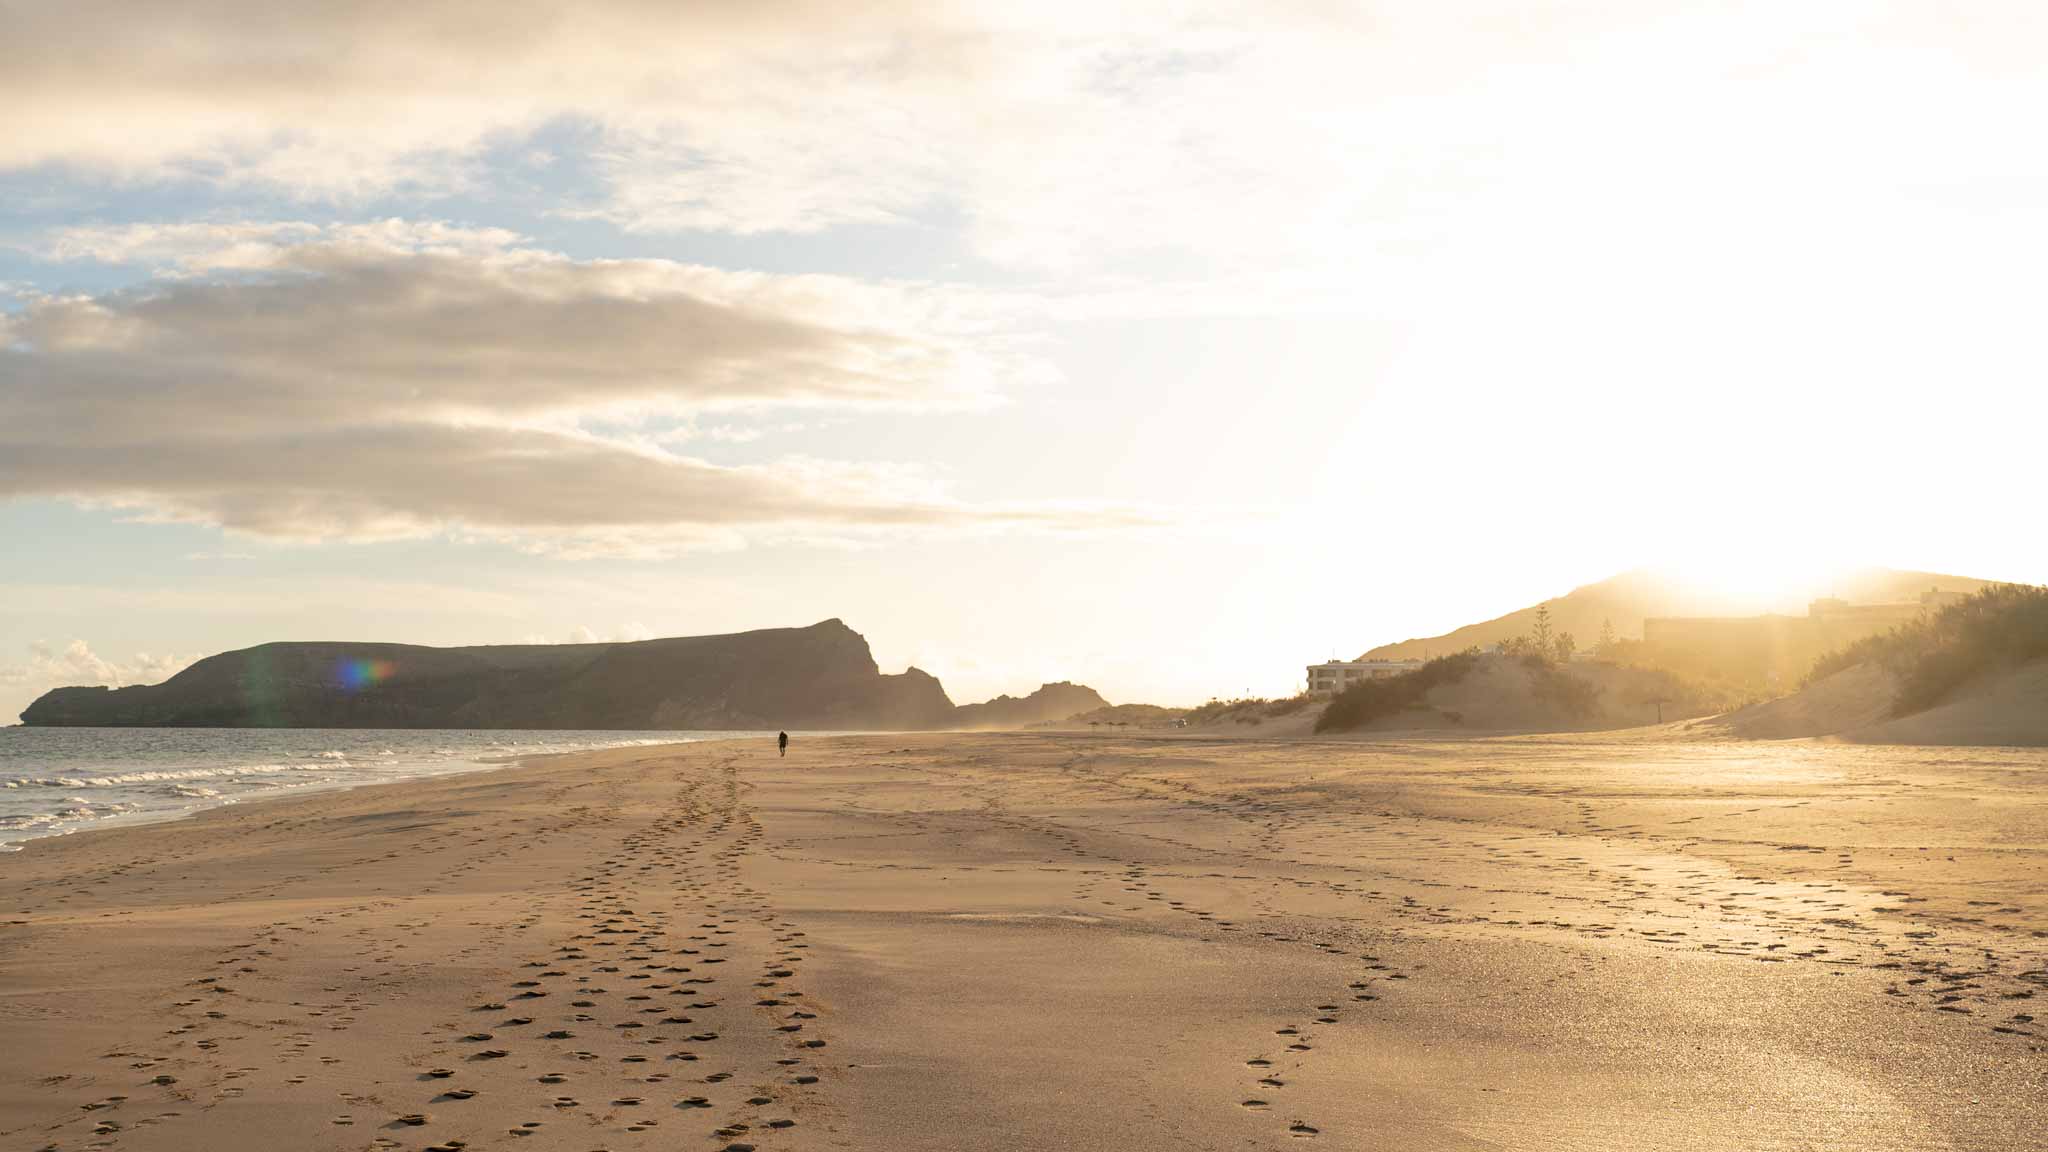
[(1340, 674)]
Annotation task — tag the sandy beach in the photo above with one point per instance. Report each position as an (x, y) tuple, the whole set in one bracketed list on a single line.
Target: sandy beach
[(1058, 942)]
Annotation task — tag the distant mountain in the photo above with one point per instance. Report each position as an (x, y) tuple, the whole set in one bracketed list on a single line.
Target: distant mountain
[(1052, 702), (820, 677), (1624, 601)]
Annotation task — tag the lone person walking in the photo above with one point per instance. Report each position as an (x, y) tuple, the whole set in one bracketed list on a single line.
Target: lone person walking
[(782, 744)]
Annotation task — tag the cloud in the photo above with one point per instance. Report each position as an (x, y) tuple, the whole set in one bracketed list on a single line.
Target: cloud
[(199, 246), (421, 317), (1060, 132), (400, 380), (624, 634), (76, 663), (745, 104), (1057, 132)]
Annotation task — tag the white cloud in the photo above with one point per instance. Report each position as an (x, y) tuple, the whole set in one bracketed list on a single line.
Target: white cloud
[(398, 380), (249, 245), (75, 663), (623, 634), (1059, 132), (348, 322)]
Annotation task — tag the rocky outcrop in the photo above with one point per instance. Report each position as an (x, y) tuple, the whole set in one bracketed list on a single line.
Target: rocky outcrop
[(820, 677), (1051, 703)]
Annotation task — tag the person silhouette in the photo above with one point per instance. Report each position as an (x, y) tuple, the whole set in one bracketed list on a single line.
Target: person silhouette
[(782, 744)]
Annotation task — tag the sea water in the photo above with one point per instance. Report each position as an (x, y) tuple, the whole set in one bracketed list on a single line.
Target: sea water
[(58, 780)]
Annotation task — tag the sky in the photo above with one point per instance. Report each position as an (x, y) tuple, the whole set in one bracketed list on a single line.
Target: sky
[(1162, 347)]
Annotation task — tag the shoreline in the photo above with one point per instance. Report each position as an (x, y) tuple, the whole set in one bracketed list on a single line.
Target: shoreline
[(636, 948), (407, 772)]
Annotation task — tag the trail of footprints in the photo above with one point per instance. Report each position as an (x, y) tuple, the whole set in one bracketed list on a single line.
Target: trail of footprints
[(673, 1010), (1968, 967), (1292, 1045), (633, 1020)]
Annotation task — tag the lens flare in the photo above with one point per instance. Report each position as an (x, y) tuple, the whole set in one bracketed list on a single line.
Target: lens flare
[(356, 675)]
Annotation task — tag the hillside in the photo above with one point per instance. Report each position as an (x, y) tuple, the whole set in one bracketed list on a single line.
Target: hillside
[(1625, 600), (820, 677)]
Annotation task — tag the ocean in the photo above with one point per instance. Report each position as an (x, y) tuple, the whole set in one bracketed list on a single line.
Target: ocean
[(59, 780)]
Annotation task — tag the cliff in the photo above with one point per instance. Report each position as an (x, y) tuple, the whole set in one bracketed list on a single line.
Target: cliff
[(820, 677)]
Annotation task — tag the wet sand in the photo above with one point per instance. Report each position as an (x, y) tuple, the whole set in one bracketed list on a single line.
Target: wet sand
[(1058, 942)]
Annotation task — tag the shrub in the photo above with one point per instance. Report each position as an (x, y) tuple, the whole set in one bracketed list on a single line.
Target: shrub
[(1842, 659), (2000, 626), (1248, 709), (1216, 708), (1575, 698), (1370, 700)]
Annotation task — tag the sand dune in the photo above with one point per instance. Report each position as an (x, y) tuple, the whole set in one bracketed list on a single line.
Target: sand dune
[(1056, 942), (2008, 708), (2004, 708), (1851, 699), (1501, 694), (1506, 695)]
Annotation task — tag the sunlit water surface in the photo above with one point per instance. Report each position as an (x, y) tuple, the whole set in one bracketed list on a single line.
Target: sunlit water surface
[(58, 780)]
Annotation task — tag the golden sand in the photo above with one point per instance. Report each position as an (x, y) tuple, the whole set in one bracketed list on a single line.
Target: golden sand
[(1058, 942)]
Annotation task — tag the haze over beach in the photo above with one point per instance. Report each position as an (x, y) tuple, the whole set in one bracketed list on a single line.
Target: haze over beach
[(784, 576)]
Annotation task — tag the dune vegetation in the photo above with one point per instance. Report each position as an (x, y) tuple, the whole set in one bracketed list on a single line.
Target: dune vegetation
[(1999, 627), (1370, 700), (1248, 709)]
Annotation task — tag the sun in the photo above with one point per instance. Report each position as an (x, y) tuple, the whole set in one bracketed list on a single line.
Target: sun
[(1747, 577)]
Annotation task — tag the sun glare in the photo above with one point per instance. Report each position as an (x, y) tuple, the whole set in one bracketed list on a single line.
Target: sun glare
[(1751, 579)]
